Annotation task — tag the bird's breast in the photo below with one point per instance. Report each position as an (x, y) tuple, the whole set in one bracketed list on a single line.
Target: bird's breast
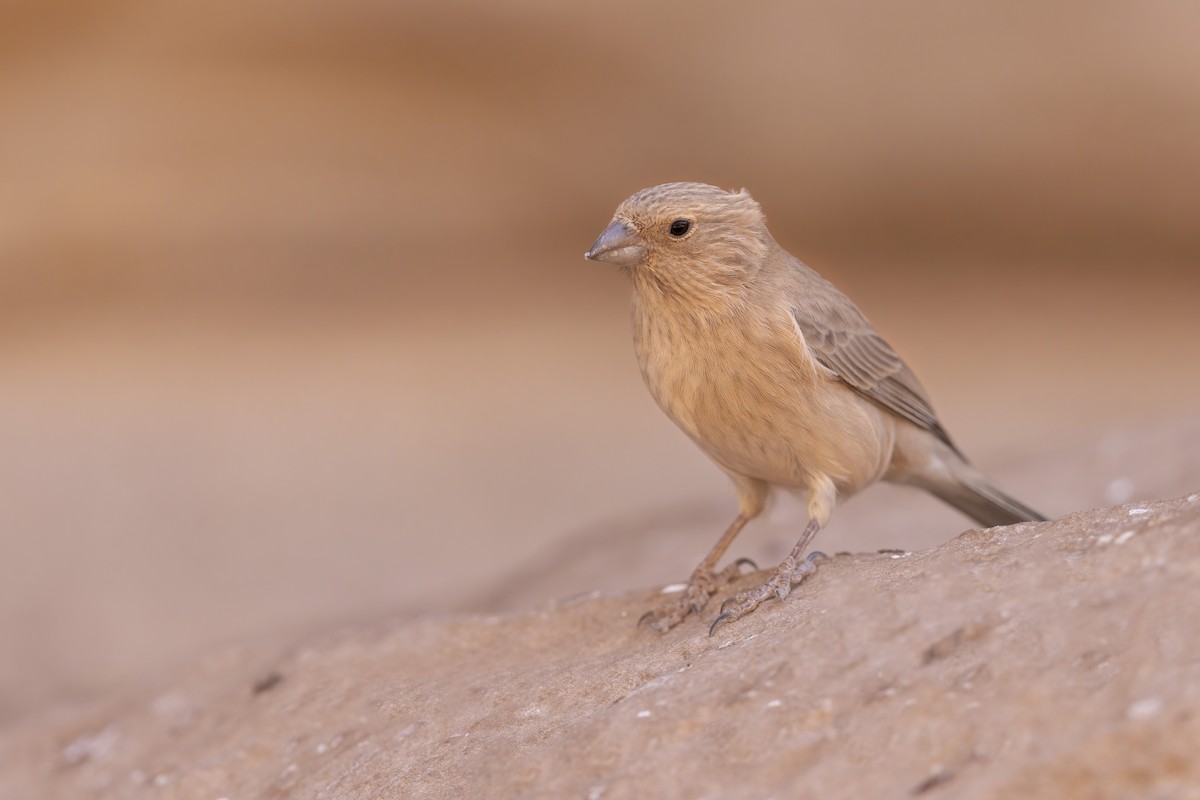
[(743, 386)]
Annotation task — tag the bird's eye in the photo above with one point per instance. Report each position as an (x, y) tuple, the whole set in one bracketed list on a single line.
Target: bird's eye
[(679, 227)]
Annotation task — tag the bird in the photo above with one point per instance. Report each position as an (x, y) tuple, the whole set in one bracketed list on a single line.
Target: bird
[(778, 378)]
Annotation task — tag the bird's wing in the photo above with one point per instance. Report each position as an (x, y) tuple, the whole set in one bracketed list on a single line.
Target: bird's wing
[(844, 342)]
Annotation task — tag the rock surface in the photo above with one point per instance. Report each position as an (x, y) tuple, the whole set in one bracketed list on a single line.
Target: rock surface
[(1052, 660)]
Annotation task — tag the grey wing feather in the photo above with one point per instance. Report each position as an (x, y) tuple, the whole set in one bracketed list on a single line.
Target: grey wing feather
[(844, 342)]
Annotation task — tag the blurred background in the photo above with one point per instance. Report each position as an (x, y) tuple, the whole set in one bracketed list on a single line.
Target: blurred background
[(295, 327)]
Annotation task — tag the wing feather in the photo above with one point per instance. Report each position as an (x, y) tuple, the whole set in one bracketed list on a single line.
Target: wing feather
[(844, 342)]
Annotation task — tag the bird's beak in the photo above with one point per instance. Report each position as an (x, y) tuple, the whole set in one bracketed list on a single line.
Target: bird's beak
[(619, 245)]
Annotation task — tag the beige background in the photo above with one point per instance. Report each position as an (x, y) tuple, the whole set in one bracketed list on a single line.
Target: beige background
[(295, 327)]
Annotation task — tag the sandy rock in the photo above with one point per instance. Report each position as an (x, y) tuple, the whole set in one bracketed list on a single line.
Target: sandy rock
[(1049, 660)]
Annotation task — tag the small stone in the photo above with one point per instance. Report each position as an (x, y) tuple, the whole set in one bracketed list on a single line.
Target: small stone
[(1144, 709), (1118, 491)]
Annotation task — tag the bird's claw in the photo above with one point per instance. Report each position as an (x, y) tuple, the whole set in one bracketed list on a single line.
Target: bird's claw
[(724, 615), (663, 618), (703, 584), (779, 586)]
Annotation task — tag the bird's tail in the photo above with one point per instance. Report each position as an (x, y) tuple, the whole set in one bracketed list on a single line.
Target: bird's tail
[(984, 503)]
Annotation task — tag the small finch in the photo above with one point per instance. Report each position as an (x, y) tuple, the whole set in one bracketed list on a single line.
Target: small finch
[(776, 376)]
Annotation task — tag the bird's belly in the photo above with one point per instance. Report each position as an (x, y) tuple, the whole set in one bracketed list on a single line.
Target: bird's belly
[(850, 444), (775, 419)]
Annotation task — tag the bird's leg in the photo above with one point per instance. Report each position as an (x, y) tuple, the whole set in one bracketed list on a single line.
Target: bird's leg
[(705, 582), (791, 570)]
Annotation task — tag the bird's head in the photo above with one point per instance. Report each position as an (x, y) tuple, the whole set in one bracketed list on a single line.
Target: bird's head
[(687, 236)]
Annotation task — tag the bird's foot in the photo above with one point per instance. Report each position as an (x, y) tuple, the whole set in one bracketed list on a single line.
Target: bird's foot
[(779, 585), (703, 584)]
